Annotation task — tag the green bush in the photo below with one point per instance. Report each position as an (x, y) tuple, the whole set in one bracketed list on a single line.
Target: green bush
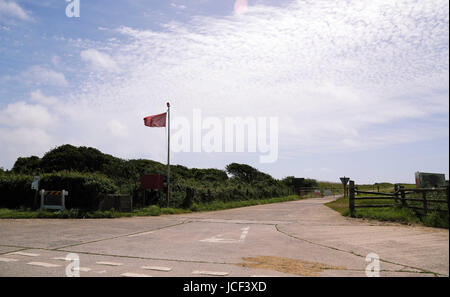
[(436, 219), (15, 190)]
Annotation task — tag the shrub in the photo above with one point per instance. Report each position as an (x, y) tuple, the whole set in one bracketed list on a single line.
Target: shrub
[(27, 165), (68, 157), (15, 190), (436, 219)]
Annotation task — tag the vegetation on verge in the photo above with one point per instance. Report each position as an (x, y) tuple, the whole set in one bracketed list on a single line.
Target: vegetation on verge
[(392, 214), (152, 210)]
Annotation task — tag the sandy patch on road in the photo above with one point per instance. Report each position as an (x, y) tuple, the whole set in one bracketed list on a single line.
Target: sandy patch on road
[(287, 265)]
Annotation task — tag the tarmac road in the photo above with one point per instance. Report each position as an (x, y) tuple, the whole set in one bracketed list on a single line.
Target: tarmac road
[(299, 238)]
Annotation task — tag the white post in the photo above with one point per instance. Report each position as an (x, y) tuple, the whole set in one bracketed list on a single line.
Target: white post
[(42, 198)]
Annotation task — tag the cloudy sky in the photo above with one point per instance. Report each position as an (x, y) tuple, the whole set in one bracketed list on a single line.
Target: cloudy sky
[(360, 88)]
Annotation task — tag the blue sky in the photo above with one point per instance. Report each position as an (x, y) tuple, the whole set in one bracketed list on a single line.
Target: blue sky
[(360, 88)]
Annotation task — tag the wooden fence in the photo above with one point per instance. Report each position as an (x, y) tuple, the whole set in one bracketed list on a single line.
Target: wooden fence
[(421, 201)]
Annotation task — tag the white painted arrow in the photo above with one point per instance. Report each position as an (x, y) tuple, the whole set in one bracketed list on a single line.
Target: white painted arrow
[(220, 239)]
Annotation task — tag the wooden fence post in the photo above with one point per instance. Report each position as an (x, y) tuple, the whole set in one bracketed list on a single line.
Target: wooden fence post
[(425, 205), (396, 193), (351, 199), (448, 204), (403, 196)]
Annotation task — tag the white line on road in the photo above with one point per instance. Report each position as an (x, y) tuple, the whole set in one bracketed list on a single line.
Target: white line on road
[(42, 264), (219, 239), (24, 254), (8, 260), (128, 274), (157, 268), (82, 269), (109, 263), (244, 233), (60, 259), (214, 273)]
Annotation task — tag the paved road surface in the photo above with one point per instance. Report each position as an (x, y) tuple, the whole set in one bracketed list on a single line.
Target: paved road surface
[(299, 238)]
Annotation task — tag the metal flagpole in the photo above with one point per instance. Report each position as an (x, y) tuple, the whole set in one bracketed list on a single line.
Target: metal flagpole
[(168, 153)]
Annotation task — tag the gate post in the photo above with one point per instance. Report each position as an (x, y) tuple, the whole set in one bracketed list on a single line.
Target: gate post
[(403, 196), (351, 199), (396, 190), (425, 204), (448, 202)]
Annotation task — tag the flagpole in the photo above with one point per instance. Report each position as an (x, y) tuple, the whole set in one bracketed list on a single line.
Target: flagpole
[(168, 153)]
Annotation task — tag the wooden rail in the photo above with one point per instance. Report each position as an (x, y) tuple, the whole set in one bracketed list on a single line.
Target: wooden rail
[(399, 197)]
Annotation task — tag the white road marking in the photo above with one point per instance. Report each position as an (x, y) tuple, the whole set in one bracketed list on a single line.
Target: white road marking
[(140, 234), (100, 271), (244, 234), (60, 258), (8, 260), (219, 239), (82, 269), (215, 273), (128, 274), (109, 263), (24, 254), (158, 268), (42, 264)]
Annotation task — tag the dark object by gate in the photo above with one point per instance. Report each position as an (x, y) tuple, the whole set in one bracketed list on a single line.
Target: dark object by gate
[(152, 182), (117, 202)]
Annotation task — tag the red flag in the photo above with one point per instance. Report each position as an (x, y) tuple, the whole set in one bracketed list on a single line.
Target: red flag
[(158, 120)]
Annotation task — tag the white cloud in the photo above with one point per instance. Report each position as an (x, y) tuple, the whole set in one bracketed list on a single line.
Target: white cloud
[(21, 114), (26, 129), (116, 128), (342, 76), (98, 60), (12, 9), (37, 96), (179, 6), (38, 75), (56, 61), (22, 142)]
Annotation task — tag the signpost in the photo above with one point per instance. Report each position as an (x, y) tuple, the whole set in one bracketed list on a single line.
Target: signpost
[(35, 183), (35, 187), (344, 181), (430, 180)]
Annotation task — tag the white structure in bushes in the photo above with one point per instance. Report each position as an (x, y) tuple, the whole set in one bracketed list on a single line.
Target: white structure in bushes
[(53, 199)]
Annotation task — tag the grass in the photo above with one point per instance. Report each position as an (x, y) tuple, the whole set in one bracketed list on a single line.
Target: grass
[(146, 211), (391, 214)]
